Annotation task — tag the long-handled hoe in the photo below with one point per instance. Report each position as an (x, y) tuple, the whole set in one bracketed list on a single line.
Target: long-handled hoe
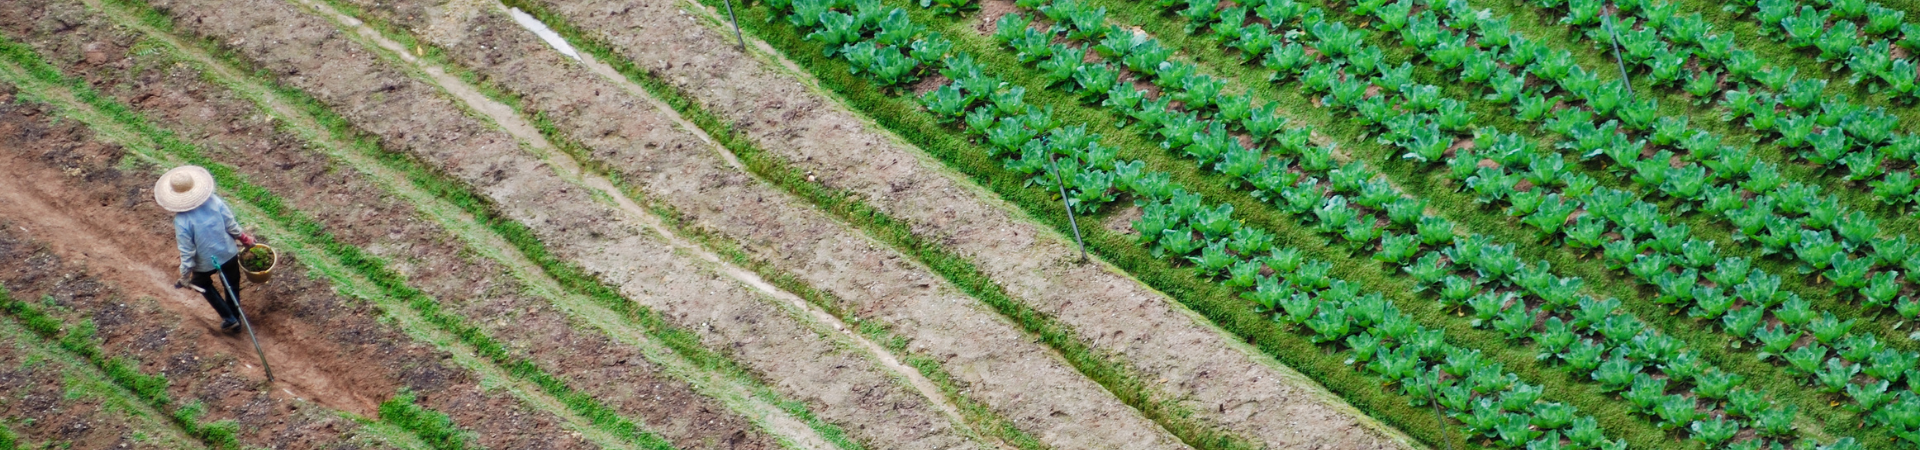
[(228, 297)]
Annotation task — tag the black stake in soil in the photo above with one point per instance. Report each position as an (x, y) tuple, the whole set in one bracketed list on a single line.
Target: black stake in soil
[(1433, 397), (1051, 167), (235, 301), (736, 26), (1628, 82)]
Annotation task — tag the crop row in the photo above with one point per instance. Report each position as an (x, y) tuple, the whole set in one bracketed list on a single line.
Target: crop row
[(1429, 139), (304, 229), (1851, 275), (1543, 210), (1638, 218), (1407, 352), (1354, 180), (1816, 230), (1829, 131), (1857, 35), (1836, 132)]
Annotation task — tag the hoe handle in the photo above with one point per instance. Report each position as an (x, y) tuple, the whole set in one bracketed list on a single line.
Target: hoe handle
[(244, 323)]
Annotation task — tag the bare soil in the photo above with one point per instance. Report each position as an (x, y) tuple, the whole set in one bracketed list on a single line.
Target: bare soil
[(45, 400), (1004, 368), (1225, 382), (82, 236), (354, 210), (306, 52)]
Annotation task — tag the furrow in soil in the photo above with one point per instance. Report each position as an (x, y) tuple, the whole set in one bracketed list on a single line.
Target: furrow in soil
[(51, 397), (968, 337), (104, 253), (780, 108), (769, 337), (737, 394), (353, 209)]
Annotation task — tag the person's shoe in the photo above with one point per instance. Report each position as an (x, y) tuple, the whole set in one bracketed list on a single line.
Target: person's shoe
[(230, 326)]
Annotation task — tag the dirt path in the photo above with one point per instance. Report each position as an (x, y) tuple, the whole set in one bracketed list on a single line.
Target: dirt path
[(307, 54), (740, 395), (788, 115), (134, 321), (355, 211), (133, 261), (1004, 368)]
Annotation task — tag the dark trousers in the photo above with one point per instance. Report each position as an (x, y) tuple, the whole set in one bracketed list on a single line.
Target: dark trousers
[(206, 281)]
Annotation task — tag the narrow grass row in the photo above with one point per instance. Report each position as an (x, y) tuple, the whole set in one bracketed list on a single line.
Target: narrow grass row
[(433, 427), (571, 278), (1084, 156), (979, 415), (80, 340), (1216, 301), (1108, 370), (373, 269)]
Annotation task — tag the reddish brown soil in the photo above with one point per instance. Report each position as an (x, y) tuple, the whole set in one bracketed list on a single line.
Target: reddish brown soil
[(55, 247), (338, 338), (36, 407), (1225, 382), (354, 210), (988, 19), (839, 385), (1001, 366)]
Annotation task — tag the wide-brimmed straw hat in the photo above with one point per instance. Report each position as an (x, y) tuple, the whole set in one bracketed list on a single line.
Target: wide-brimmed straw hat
[(183, 188)]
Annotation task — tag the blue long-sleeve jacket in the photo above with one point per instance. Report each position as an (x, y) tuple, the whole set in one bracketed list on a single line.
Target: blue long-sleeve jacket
[(206, 236)]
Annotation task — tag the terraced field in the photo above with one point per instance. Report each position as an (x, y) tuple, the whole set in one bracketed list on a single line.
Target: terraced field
[(857, 224)]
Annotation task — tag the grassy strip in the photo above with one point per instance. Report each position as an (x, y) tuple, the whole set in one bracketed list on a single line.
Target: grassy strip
[(981, 416), (82, 382), (569, 276), (79, 339), (1107, 369), (7, 441), (1425, 182), (434, 427), (443, 186), (373, 269), (1217, 303), (1351, 263)]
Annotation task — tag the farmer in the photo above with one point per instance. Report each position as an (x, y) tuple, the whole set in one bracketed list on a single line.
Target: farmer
[(205, 231)]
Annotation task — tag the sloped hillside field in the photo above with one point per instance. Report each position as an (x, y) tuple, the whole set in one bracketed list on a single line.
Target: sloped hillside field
[(969, 224)]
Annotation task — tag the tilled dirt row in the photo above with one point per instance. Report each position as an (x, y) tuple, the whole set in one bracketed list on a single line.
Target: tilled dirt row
[(1228, 384), (356, 212), (51, 398), (1019, 378), (104, 253), (308, 53)]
